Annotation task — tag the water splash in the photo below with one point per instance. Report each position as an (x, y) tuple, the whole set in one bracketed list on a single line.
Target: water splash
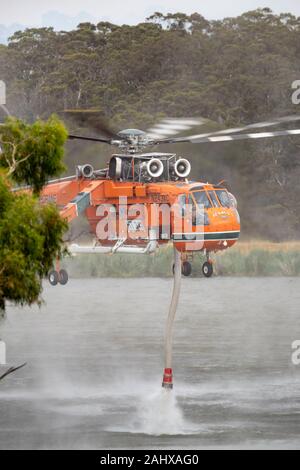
[(160, 414)]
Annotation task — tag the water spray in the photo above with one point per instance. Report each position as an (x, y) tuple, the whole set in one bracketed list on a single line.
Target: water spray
[(167, 382)]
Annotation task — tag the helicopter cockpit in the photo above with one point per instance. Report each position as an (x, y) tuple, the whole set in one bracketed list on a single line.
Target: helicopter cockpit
[(212, 198), (200, 201)]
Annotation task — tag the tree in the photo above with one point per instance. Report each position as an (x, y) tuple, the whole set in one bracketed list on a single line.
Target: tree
[(31, 234), (30, 238), (32, 153)]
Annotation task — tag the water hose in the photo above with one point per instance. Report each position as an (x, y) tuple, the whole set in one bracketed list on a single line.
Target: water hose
[(168, 373)]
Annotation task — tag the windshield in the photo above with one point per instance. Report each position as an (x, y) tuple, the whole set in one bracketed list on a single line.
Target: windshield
[(223, 198), (213, 198), (201, 198)]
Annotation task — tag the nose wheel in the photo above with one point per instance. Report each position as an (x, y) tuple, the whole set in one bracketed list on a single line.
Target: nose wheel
[(207, 269)]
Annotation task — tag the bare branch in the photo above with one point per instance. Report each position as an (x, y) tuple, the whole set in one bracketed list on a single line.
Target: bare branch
[(11, 370), (13, 163)]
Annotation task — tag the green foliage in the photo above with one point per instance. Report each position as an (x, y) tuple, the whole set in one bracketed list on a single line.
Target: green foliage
[(32, 152), (30, 238), (243, 66)]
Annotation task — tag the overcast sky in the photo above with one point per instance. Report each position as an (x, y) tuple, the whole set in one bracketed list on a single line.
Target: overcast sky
[(34, 12)]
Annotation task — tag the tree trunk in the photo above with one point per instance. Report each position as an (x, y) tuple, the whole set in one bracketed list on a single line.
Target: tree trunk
[(2, 307)]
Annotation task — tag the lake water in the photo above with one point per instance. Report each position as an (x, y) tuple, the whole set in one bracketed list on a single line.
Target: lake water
[(95, 362)]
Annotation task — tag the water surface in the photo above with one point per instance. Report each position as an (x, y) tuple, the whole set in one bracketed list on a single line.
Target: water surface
[(95, 361)]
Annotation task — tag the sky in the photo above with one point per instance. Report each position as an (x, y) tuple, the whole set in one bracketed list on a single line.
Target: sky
[(66, 12)]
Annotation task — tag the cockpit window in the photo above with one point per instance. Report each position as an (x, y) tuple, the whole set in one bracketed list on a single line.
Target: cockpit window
[(223, 198), (200, 198), (213, 198)]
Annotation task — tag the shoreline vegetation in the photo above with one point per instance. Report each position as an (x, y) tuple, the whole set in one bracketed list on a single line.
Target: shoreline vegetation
[(252, 258)]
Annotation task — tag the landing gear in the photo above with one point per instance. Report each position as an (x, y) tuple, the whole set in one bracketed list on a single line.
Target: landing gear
[(53, 278), (63, 277), (207, 269), (58, 275), (186, 269), (186, 266)]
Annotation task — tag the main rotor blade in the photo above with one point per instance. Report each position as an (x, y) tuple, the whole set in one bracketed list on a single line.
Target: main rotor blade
[(256, 135), (258, 125), (172, 126), (91, 139), (92, 119)]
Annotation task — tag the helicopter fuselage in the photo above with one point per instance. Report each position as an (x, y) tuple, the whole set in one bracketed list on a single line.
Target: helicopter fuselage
[(194, 216)]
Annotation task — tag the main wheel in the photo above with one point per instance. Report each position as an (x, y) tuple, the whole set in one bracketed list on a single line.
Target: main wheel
[(53, 277), (63, 277), (186, 268), (207, 269)]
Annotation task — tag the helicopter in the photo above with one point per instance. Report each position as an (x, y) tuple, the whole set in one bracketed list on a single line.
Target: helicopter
[(143, 200)]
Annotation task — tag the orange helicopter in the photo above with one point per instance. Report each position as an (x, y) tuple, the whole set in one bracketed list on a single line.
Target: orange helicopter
[(144, 200)]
